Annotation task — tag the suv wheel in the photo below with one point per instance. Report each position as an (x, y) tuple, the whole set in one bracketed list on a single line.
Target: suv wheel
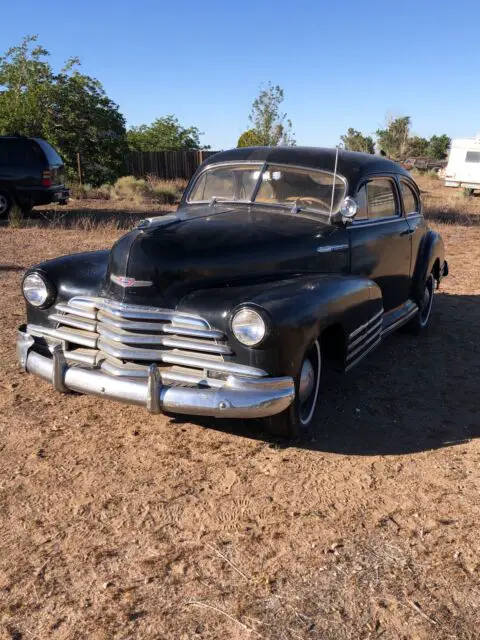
[(301, 414), (5, 204)]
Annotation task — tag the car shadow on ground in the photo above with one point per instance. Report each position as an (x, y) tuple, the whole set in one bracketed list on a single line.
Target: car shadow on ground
[(414, 393)]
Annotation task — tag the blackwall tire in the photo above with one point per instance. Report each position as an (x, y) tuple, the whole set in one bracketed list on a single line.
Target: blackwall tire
[(6, 202), (420, 322), (302, 412)]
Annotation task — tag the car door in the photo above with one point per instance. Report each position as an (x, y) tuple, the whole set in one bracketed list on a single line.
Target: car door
[(380, 239), (414, 214)]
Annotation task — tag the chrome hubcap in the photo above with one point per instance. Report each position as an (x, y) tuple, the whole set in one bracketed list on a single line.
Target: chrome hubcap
[(307, 380), (309, 384), (427, 301)]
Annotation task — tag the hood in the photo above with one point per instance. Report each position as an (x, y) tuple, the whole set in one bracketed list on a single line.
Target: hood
[(206, 246)]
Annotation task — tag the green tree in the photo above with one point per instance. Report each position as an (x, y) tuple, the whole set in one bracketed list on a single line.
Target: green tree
[(272, 127), (164, 134), (249, 138), (356, 141), (417, 146), (68, 109), (438, 147), (393, 140)]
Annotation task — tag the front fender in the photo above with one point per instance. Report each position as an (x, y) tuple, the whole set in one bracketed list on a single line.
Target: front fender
[(430, 251), (77, 274), (299, 308)]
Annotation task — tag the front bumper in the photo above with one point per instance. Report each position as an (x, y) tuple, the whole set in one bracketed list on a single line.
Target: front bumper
[(239, 397)]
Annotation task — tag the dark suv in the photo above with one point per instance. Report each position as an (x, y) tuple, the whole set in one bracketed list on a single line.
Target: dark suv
[(31, 173)]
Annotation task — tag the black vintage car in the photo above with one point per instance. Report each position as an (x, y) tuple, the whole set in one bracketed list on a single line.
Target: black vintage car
[(278, 261)]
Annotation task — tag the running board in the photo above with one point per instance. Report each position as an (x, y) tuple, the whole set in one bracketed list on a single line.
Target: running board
[(364, 339)]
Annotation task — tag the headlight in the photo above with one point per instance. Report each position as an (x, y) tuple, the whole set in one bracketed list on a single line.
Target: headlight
[(248, 327), (36, 290)]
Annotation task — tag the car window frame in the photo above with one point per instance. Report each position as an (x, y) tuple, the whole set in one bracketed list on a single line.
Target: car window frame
[(263, 166), (411, 184), (393, 178)]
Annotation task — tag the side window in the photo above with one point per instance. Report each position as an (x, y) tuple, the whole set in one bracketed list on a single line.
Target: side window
[(410, 199), (362, 203), (381, 199)]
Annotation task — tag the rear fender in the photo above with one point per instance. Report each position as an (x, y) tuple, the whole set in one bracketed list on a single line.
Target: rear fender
[(431, 257), (298, 311)]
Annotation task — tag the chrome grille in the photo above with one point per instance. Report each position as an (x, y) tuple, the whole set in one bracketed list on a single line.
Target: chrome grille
[(124, 340)]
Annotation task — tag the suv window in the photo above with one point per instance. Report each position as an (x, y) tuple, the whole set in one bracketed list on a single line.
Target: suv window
[(17, 152), (410, 199), (381, 199), (52, 156)]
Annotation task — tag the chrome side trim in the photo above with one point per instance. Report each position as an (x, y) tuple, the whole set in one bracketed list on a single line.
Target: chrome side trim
[(330, 248), (364, 326), (400, 321), (375, 336), (375, 328), (362, 355)]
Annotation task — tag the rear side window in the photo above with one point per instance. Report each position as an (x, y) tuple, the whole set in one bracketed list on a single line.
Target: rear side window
[(472, 156), (381, 199), (410, 199), (52, 156), (18, 152)]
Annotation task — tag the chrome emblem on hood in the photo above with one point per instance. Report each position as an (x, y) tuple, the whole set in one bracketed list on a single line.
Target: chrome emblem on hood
[(124, 282)]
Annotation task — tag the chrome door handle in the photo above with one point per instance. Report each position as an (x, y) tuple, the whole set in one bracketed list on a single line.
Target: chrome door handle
[(408, 232)]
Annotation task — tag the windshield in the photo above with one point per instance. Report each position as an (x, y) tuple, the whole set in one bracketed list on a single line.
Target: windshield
[(277, 185)]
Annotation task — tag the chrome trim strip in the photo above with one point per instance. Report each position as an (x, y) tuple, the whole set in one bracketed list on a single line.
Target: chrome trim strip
[(113, 321), (362, 355), (375, 327), (73, 321), (375, 336), (84, 338), (332, 247), (177, 357), (128, 338), (400, 321), (235, 399), (364, 326), (81, 312)]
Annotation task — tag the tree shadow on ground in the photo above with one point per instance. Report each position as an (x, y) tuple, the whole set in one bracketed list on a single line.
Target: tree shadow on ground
[(414, 393), (463, 218)]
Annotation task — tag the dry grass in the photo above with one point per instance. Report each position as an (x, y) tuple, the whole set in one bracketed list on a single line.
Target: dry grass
[(116, 524)]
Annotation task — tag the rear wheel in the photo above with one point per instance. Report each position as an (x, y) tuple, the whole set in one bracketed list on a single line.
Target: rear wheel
[(422, 318), (301, 414), (6, 202)]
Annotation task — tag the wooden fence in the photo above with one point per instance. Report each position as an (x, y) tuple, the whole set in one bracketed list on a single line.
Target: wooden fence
[(167, 165)]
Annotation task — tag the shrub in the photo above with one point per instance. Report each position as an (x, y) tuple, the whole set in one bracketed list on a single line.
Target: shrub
[(87, 192), (15, 217)]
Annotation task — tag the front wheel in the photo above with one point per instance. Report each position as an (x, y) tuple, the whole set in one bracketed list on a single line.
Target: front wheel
[(301, 414), (422, 318), (5, 204)]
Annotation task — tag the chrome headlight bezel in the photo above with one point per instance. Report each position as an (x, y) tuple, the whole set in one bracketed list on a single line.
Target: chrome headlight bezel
[(34, 283), (250, 325)]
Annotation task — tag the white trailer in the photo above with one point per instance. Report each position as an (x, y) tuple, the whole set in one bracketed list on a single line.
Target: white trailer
[(463, 168)]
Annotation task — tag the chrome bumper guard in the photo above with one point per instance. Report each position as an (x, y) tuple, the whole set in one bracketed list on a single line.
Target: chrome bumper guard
[(239, 397)]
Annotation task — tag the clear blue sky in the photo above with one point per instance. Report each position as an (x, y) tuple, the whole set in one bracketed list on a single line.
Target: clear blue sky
[(341, 64)]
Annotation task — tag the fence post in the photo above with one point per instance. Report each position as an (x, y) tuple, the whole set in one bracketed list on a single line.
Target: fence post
[(79, 169)]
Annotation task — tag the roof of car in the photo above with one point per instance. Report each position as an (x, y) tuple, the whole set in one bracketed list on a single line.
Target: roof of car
[(351, 164)]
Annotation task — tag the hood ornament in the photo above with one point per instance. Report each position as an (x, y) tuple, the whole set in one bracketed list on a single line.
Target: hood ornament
[(124, 282)]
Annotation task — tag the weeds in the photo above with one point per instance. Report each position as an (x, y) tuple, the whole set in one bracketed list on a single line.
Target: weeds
[(15, 218), (133, 191)]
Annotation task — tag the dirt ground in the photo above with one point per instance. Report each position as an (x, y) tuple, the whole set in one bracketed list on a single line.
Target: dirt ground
[(116, 524)]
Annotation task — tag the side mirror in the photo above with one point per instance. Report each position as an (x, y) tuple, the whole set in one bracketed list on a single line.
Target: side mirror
[(348, 209)]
